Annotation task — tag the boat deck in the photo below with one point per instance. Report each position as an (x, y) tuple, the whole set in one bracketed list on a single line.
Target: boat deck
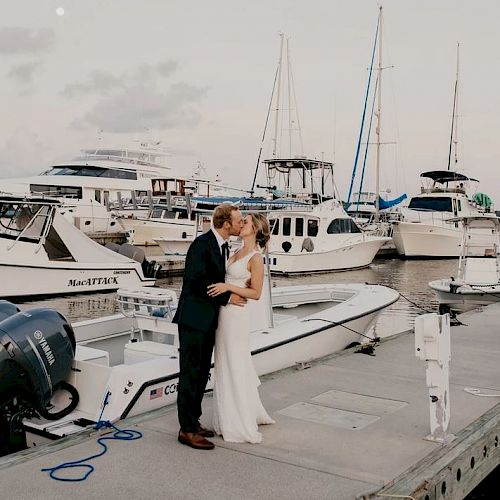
[(345, 427)]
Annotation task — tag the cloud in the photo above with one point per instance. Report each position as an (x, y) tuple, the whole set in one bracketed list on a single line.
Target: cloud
[(141, 107), (103, 82), (100, 82), (17, 40), (23, 73)]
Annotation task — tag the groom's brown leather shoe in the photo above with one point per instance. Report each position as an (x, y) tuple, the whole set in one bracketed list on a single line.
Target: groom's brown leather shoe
[(195, 440), (206, 433)]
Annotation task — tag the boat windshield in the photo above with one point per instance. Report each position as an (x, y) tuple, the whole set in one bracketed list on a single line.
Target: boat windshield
[(434, 204), (90, 171), (23, 220), (341, 226)]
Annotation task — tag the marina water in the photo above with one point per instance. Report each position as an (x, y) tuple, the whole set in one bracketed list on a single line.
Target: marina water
[(409, 277)]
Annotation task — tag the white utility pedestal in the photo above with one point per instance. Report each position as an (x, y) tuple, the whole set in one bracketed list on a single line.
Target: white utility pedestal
[(432, 344)]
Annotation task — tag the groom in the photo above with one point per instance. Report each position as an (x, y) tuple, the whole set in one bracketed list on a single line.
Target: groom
[(197, 317)]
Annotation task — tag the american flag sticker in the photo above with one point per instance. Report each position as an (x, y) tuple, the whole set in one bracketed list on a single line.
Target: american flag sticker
[(156, 393)]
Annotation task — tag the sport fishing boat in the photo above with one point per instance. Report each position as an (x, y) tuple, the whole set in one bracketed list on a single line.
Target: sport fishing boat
[(321, 238), (127, 364), (42, 253), (431, 226), (478, 279)]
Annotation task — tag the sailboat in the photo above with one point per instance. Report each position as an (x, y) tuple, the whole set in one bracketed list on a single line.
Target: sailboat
[(431, 226), (372, 209)]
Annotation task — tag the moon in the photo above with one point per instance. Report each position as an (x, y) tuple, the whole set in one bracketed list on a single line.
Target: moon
[(60, 11)]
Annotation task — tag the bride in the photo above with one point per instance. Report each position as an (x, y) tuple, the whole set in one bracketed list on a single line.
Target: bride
[(237, 407)]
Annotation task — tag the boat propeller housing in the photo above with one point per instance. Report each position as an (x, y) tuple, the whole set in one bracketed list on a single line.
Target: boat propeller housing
[(37, 348)]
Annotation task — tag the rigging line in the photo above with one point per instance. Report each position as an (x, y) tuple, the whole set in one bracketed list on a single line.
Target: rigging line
[(264, 134), (415, 304), (453, 117), (296, 111), (366, 148), (358, 147), (373, 339)]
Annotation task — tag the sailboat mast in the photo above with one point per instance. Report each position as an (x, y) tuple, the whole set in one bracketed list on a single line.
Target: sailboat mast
[(454, 115), (278, 97), (290, 121), (379, 116)]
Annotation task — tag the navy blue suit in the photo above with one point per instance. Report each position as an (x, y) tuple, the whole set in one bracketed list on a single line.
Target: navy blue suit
[(197, 316)]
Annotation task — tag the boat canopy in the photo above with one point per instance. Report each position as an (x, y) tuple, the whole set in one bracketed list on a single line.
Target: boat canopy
[(385, 204), (443, 176), (285, 165), (483, 200)]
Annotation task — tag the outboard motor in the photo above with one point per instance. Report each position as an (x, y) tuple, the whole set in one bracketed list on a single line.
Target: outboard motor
[(37, 348), (7, 309)]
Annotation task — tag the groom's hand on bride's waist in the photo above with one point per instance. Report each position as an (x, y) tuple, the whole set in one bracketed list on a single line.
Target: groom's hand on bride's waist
[(236, 300)]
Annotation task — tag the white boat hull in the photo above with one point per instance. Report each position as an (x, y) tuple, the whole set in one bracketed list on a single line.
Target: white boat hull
[(145, 232), (353, 256), (415, 239), (464, 298), (33, 281)]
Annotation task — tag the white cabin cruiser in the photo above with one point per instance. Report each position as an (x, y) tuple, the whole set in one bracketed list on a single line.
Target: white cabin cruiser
[(127, 364), (42, 253), (478, 280), (430, 227), (323, 238), (95, 180)]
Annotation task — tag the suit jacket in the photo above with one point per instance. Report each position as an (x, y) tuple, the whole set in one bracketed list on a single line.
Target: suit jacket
[(204, 266)]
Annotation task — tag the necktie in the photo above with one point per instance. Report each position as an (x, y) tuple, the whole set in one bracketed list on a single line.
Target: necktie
[(225, 250)]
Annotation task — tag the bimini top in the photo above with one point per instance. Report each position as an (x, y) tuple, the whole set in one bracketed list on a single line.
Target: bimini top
[(443, 176), (284, 165)]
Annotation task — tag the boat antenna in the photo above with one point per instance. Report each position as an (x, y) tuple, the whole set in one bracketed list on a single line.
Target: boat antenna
[(454, 115), (264, 134)]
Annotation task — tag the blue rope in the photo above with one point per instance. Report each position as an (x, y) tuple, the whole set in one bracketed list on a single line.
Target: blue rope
[(119, 434)]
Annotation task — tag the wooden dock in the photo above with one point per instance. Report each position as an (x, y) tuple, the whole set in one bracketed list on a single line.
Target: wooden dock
[(349, 426)]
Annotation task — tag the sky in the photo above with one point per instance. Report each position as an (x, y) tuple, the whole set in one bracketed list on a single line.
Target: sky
[(198, 75)]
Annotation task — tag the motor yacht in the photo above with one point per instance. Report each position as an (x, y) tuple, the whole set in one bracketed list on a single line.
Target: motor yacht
[(94, 181), (431, 226)]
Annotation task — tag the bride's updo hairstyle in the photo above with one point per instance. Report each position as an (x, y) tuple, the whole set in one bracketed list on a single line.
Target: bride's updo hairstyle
[(261, 226)]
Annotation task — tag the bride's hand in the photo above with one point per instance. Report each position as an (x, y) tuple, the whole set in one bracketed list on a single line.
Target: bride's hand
[(217, 289)]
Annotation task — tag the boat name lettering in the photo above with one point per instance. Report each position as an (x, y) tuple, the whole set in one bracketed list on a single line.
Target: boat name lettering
[(47, 351), (171, 389), (121, 272), (94, 281)]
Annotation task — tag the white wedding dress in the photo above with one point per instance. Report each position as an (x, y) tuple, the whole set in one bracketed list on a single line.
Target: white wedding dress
[(237, 406)]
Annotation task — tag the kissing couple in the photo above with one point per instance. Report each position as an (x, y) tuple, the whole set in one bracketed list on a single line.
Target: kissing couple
[(214, 311)]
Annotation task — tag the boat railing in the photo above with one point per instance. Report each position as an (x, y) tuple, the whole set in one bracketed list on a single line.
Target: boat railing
[(152, 310)]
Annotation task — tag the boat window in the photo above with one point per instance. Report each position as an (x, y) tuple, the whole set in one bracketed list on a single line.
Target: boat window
[(57, 191), (435, 204), (90, 171), (312, 227), (299, 226), (459, 205), (275, 224), (342, 226), (287, 226), (55, 247)]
